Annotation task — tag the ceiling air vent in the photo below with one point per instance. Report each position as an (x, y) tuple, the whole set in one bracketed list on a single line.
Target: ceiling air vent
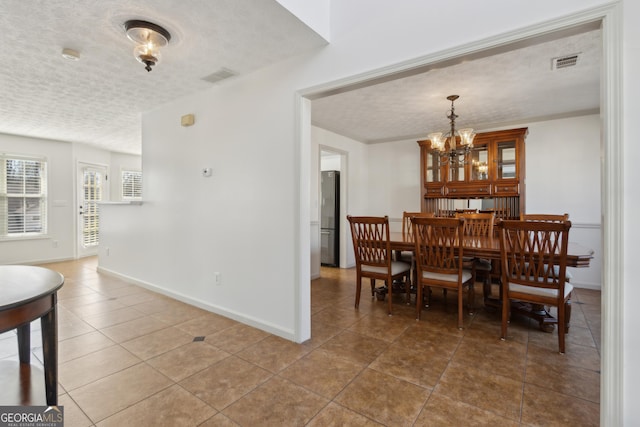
[(564, 61), (221, 74)]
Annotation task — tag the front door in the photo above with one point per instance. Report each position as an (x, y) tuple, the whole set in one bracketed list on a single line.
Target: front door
[(91, 190)]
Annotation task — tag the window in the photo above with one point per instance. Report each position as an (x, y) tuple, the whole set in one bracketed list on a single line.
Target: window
[(131, 185), (23, 196)]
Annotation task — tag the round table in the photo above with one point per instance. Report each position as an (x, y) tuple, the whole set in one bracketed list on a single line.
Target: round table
[(26, 294)]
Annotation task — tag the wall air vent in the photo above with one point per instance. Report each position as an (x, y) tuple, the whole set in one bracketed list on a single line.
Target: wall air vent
[(564, 61), (221, 74)]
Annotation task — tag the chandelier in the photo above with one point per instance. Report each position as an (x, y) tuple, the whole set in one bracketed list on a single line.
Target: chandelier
[(447, 146)]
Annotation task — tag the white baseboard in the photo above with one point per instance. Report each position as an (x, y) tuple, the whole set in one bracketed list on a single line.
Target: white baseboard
[(240, 317), (584, 285), (43, 261)]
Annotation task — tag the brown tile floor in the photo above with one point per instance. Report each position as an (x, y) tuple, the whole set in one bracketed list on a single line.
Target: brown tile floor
[(128, 357)]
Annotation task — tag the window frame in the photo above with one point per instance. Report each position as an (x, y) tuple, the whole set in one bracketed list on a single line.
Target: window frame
[(137, 172), (42, 197)]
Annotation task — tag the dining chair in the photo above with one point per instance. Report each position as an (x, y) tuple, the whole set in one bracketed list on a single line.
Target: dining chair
[(548, 218), (374, 259), (479, 225), (407, 227), (439, 259), (407, 235), (407, 232), (530, 251), (545, 217), (445, 213)]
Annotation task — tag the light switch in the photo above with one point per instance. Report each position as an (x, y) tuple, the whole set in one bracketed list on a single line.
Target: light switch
[(207, 172)]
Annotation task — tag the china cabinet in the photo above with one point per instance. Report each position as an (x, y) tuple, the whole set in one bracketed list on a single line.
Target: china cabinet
[(493, 172)]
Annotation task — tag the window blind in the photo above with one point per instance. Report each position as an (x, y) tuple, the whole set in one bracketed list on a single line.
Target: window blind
[(23, 196), (92, 188), (131, 185)]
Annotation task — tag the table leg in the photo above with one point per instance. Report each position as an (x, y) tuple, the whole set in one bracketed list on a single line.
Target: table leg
[(567, 316), (26, 390), (24, 343), (49, 324)]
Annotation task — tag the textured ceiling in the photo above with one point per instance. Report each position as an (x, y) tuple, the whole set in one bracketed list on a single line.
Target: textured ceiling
[(515, 86), (98, 99)]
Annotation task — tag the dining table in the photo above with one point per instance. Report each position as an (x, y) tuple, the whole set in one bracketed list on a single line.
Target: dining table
[(488, 247), (28, 293)]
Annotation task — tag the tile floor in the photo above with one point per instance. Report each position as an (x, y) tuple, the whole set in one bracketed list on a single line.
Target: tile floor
[(130, 357)]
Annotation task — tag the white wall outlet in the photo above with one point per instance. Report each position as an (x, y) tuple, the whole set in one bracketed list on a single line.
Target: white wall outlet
[(218, 279), (106, 251), (54, 243)]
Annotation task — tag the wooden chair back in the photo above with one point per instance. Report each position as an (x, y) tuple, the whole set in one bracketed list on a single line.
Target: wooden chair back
[(477, 224), (481, 225), (529, 250), (371, 244), (544, 217), (438, 244), (407, 227), (451, 213)]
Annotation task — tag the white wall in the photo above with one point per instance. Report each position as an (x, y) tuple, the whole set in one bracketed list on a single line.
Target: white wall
[(314, 14), (563, 168), (239, 222), (394, 180)]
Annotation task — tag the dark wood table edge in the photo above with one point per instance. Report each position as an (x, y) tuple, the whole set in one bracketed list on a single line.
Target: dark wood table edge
[(43, 306)]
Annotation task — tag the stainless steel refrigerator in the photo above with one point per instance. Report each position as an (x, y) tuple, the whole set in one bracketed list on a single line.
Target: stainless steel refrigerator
[(330, 218)]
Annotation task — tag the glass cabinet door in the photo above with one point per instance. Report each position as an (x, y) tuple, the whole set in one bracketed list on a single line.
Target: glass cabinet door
[(433, 167), (506, 158), (480, 163), (456, 168)]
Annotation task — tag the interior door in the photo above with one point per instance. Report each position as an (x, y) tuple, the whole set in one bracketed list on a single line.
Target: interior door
[(92, 187)]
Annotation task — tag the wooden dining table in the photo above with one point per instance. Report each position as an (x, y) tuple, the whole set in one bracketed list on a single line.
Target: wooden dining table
[(488, 247), (28, 293)]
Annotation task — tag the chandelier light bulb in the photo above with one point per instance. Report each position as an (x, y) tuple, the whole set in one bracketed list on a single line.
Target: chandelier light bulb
[(437, 142), (466, 136)]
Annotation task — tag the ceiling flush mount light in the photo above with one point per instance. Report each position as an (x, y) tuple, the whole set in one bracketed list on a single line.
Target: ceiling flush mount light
[(148, 37), (452, 152)]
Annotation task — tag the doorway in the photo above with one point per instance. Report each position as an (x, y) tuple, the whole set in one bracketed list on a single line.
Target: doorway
[(91, 189), (612, 201)]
